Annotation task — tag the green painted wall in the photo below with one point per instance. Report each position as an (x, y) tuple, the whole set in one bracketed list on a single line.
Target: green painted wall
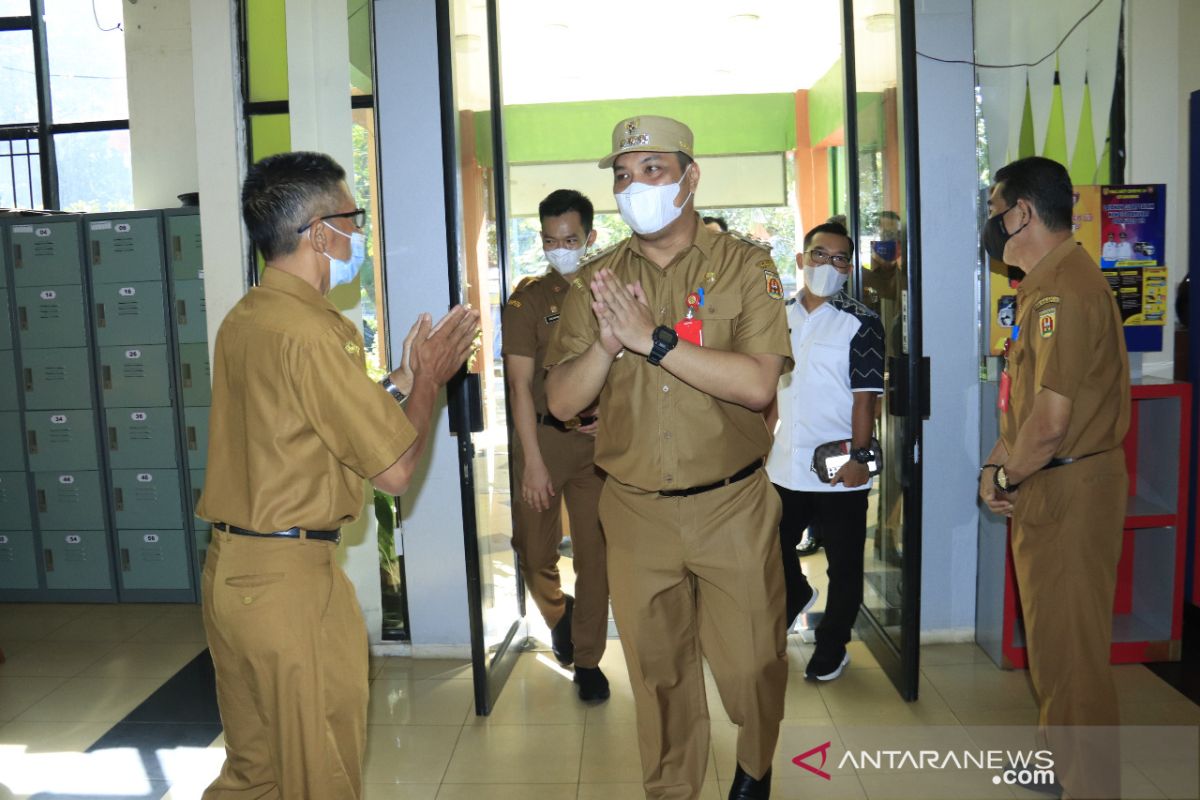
[(827, 103), (722, 124), (358, 16), (270, 134), (266, 45)]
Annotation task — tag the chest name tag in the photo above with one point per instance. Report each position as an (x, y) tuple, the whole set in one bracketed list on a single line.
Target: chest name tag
[(552, 318)]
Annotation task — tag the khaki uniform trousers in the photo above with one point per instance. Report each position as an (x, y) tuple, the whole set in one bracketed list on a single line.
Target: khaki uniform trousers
[(537, 534), (1067, 530), (699, 576), (290, 650)]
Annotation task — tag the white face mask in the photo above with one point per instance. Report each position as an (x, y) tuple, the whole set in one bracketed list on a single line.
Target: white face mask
[(565, 260), (649, 209), (824, 280)]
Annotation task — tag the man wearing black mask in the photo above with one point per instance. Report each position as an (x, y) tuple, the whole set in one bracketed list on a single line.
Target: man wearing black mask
[(1058, 468)]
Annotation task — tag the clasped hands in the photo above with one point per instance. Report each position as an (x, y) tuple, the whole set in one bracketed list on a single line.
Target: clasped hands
[(623, 313), (437, 350)]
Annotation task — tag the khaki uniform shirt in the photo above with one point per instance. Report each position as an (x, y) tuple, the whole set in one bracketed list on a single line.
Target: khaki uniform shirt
[(528, 321), (656, 432), (1071, 342), (296, 422)]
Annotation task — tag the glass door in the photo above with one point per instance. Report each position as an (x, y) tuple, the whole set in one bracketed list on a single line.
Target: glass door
[(475, 183), (881, 136)]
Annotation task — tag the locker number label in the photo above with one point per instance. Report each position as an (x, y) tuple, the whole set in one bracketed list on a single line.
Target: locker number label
[(138, 416), (66, 480), (150, 538), (123, 227), (133, 353), (127, 291), (145, 477), (102, 226), (49, 294), (73, 538), (43, 232), (58, 419)]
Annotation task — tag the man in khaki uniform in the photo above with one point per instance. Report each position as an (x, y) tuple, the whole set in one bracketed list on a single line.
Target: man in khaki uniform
[(296, 427), (682, 333), (1058, 469), (553, 459)]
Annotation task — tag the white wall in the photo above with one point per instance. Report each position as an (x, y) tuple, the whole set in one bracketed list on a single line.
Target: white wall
[(1162, 69), (949, 250), (158, 63)]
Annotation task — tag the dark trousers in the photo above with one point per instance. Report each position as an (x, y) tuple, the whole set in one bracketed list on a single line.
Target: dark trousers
[(842, 517)]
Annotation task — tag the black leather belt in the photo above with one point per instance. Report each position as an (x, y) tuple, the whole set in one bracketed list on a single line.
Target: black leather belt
[(741, 474), (1062, 462), (290, 533), (569, 425)]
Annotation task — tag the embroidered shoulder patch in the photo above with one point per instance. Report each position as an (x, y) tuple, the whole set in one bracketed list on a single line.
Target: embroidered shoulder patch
[(1052, 299), (1046, 322), (774, 285), (766, 264), (515, 303), (352, 348)]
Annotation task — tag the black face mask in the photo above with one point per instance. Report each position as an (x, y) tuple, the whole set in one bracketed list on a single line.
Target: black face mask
[(995, 235)]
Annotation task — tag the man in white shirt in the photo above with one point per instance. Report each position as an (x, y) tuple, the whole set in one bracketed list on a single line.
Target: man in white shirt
[(831, 395)]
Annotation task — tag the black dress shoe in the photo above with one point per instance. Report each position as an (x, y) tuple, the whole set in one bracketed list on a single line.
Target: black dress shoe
[(560, 636), (593, 686), (808, 546), (746, 788)]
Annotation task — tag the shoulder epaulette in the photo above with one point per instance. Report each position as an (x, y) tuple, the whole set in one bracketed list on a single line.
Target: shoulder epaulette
[(528, 280), (596, 256), (748, 239)]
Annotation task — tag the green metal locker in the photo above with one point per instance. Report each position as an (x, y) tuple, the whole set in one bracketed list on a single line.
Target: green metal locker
[(141, 437), (59, 377), (144, 499), (185, 258), (18, 560), (14, 502), (11, 444), (153, 559), (135, 376), (130, 313), (6, 337), (50, 316), (195, 373), (195, 434), (124, 248), (8, 380), (76, 560), (46, 253), (190, 322), (61, 440), (68, 501)]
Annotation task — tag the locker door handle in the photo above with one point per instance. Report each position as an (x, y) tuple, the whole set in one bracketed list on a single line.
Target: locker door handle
[(107, 379), (49, 555), (101, 320), (28, 379), (181, 310), (41, 496), (31, 437), (186, 370), (23, 318), (176, 248), (18, 261), (125, 566), (191, 437), (95, 251), (119, 498), (112, 438)]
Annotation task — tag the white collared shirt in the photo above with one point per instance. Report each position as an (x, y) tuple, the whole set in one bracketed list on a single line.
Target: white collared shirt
[(838, 350)]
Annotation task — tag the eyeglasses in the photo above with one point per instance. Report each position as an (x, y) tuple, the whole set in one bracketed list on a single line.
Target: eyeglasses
[(820, 256), (359, 215)]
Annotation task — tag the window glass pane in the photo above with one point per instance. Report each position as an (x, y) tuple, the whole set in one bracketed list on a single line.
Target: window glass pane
[(266, 50), (87, 60), (270, 134), (93, 171), (14, 8), (18, 90), (20, 174), (358, 16)]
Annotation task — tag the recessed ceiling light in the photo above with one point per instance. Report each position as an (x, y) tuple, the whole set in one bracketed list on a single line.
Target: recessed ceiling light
[(743, 19)]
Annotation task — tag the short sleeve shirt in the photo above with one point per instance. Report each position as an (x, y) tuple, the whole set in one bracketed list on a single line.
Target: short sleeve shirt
[(528, 321), (838, 348), (296, 423), (1071, 341), (659, 433)]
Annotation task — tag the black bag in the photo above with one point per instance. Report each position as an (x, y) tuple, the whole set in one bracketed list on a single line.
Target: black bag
[(828, 458)]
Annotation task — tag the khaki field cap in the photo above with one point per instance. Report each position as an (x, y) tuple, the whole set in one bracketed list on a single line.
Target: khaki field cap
[(649, 134)]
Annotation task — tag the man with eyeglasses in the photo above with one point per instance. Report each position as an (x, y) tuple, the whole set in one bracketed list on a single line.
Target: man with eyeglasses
[(831, 396), (296, 427)]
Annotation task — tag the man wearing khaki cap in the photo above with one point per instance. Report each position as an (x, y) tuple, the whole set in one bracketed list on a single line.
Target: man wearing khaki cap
[(681, 332)]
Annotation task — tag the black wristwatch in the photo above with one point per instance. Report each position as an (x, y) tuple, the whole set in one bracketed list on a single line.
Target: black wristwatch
[(1000, 480), (393, 389), (863, 455), (665, 340)]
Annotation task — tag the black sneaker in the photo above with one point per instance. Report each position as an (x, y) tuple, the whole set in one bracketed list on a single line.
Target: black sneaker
[(593, 686), (560, 636), (808, 545), (827, 664)]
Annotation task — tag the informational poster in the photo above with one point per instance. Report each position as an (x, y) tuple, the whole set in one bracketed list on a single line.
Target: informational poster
[(1133, 225), (1003, 311), (1085, 219), (1141, 293)]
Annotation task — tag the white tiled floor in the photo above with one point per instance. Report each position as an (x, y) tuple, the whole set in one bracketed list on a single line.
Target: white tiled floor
[(74, 670)]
